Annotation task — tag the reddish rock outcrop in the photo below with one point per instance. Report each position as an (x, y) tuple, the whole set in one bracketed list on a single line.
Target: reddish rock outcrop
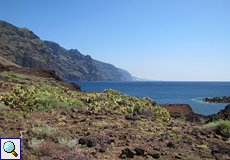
[(177, 110)]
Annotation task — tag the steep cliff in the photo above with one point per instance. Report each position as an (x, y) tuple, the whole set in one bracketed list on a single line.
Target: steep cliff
[(109, 72), (72, 65), (22, 47), (125, 75)]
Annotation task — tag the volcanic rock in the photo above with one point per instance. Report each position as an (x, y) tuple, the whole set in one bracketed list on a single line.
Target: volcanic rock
[(178, 110)]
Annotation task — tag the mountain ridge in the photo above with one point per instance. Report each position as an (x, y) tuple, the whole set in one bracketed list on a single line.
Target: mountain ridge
[(80, 67), (22, 47), (109, 71)]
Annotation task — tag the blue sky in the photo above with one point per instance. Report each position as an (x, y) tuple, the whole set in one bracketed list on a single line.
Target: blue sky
[(171, 40)]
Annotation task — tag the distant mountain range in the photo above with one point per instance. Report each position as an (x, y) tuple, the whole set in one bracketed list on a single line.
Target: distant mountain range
[(21, 47)]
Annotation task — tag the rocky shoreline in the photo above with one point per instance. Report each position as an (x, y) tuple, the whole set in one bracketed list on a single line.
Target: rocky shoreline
[(224, 99)]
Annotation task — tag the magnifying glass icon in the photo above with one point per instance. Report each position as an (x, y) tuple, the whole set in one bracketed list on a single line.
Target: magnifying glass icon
[(9, 147)]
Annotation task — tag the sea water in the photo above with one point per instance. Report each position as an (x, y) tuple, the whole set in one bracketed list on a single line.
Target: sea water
[(168, 92)]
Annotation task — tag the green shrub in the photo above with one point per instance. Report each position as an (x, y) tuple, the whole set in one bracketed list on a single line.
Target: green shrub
[(183, 117), (160, 112), (44, 131), (40, 97), (68, 143), (38, 123), (102, 98), (224, 128), (34, 142), (3, 106), (48, 151), (101, 124), (211, 125), (215, 118)]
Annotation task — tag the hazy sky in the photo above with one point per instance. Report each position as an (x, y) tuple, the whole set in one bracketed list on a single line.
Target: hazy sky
[(173, 40)]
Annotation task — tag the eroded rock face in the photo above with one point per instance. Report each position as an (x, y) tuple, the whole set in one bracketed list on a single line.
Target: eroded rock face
[(22, 47), (225, 113), (178, 110)]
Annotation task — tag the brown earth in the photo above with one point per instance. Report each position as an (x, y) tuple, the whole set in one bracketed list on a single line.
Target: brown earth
[(141, 139), (106, 135)]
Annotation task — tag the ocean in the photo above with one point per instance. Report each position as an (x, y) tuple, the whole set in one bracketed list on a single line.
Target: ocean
[(168, 92)]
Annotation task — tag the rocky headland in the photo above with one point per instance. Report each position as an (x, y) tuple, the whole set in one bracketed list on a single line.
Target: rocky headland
[(224, 99), (55, 120)]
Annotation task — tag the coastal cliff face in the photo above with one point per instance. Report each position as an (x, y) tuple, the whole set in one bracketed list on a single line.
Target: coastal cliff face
[(125, 75), (22, 47), (109, 72), (72, 65)]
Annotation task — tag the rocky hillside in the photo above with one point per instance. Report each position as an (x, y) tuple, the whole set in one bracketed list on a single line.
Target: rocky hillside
[(55, 122), (72, 65), (22, 47)]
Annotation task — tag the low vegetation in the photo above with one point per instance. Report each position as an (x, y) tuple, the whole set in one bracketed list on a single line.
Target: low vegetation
[(222, 127), (43, 97), (67, 120)]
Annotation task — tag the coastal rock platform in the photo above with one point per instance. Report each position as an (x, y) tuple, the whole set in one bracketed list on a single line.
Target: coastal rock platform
[(224, 99)]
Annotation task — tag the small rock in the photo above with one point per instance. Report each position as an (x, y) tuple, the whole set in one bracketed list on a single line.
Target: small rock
[(139, 151), (177, 156), (123, 156), (149, 157), (157, 148), (83, 120), (122, 137), (12, 128), (95, 112), (103, 149), (88, 133), (128, 153), (217, 136), (75, 122), (92, 151), (154, 154), (132, 116), (91, 143), (2, 119), (82, 141), (171, 145)]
